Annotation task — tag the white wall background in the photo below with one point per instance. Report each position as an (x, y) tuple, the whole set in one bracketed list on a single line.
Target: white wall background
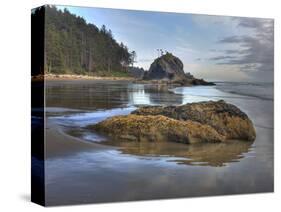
[(15, 104)]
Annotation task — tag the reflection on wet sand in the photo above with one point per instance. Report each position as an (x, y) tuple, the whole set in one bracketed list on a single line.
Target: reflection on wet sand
[(104, 95), (107, 94), (204, 154), (212, 154)]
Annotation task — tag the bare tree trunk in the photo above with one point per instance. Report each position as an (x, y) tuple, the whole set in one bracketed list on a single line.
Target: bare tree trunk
[(90, 62)]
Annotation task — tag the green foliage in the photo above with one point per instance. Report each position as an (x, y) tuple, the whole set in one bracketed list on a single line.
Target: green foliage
[(76, 47), (168, 56)]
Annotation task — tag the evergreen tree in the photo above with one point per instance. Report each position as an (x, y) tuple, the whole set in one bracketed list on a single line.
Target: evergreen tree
[(74, 46)]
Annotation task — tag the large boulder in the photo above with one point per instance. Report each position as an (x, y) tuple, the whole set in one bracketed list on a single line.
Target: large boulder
[(212, 121), (226, 119), (169, 68), (150, 128)]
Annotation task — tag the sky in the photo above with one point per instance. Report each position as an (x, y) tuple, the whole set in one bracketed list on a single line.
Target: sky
[(216, 48)]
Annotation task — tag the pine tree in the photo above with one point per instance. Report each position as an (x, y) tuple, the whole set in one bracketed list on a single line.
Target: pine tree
[(74, 46)]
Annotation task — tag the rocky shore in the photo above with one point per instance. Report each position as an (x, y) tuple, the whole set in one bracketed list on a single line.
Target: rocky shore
[(211, 121)]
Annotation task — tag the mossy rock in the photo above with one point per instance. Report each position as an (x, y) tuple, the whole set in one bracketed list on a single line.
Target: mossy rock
[(227, 119), (149, 128)]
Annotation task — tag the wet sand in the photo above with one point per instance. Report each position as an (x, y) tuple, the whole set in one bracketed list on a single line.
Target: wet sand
[(60, 144), (78, 171)]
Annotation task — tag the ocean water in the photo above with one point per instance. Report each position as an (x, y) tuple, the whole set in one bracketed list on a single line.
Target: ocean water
[(251, 89), (149, 171)]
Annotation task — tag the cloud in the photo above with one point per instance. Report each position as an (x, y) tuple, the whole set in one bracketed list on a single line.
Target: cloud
[(221, 57), (254, 52), (215, 72), (250, 22), (230, 39), (234, 51), (205, 21), (146, 60)]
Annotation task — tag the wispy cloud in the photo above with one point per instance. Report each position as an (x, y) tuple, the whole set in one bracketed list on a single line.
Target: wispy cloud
[(205, 21), (222, 57), (253, 52)]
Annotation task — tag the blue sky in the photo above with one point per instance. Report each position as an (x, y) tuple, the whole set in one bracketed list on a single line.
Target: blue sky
[(211, 47)]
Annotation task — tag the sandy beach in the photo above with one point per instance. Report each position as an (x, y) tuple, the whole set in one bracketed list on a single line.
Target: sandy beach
[(80, 169), (61, 144), (79, 77)]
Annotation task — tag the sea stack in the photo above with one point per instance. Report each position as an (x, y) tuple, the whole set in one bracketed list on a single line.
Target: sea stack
[(169, 68)]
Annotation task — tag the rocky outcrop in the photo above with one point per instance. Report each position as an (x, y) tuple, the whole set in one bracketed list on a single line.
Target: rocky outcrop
[(169, 68), (156, 129), (165, 67), (227, 119), (190, 123)]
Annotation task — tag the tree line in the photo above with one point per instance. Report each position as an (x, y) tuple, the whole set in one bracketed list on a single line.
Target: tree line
[(76, 47)]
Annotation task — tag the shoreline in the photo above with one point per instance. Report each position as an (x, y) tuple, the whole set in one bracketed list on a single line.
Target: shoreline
[(77, 77), (65, 77), (60, 144)]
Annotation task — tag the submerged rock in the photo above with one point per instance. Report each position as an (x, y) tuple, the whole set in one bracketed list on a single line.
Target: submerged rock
[(156, 128), (226, 119)]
